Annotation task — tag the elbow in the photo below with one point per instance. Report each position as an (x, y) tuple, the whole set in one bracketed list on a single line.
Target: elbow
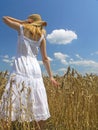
[(45, 60), (4, 18)]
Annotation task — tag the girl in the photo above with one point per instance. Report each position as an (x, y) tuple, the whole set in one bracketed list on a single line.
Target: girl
[(25, 96)]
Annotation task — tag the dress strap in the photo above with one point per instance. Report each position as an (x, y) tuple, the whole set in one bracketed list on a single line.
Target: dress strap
[(41, 38), (21, 30)]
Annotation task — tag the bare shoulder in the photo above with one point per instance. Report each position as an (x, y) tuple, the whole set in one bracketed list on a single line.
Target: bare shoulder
[(43, 43)]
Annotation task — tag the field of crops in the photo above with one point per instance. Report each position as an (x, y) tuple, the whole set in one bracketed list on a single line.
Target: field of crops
[(73, 105)]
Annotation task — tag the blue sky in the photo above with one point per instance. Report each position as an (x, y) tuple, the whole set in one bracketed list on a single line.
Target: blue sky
[(72, 33)]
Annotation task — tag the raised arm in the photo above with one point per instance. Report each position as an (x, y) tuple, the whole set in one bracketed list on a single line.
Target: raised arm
[(15, 20), (47, 62), (11, 23)]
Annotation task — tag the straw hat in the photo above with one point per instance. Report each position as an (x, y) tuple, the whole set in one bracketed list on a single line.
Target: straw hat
[(37, 20)]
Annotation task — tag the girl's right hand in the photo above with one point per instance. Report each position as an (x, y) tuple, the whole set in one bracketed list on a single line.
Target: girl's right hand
[(54, 82)]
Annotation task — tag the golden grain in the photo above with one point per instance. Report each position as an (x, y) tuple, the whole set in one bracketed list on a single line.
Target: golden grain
[(73, 106)]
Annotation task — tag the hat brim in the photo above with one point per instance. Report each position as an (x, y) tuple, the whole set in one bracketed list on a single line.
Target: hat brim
[(39, 23)]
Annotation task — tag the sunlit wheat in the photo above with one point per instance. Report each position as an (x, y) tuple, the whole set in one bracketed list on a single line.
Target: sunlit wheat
[(73, 105)]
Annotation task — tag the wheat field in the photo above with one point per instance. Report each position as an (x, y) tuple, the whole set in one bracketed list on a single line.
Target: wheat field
[(73, 105)]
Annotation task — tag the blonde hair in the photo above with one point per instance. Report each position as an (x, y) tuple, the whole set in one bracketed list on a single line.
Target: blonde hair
[(35, 30)]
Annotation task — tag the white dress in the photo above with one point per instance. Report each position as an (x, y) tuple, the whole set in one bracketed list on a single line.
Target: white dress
[(24, 98)]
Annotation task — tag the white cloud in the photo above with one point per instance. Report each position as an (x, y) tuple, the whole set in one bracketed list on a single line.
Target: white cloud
[(8, 60), (87, 66), (71, 59), (11, 64), (84, 63), (40, 62), (79, 57), (94, 53), (6, 56), (81, 62), (62, 69), (13, 57), (60, 56), (61, 36), (64, 62)]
